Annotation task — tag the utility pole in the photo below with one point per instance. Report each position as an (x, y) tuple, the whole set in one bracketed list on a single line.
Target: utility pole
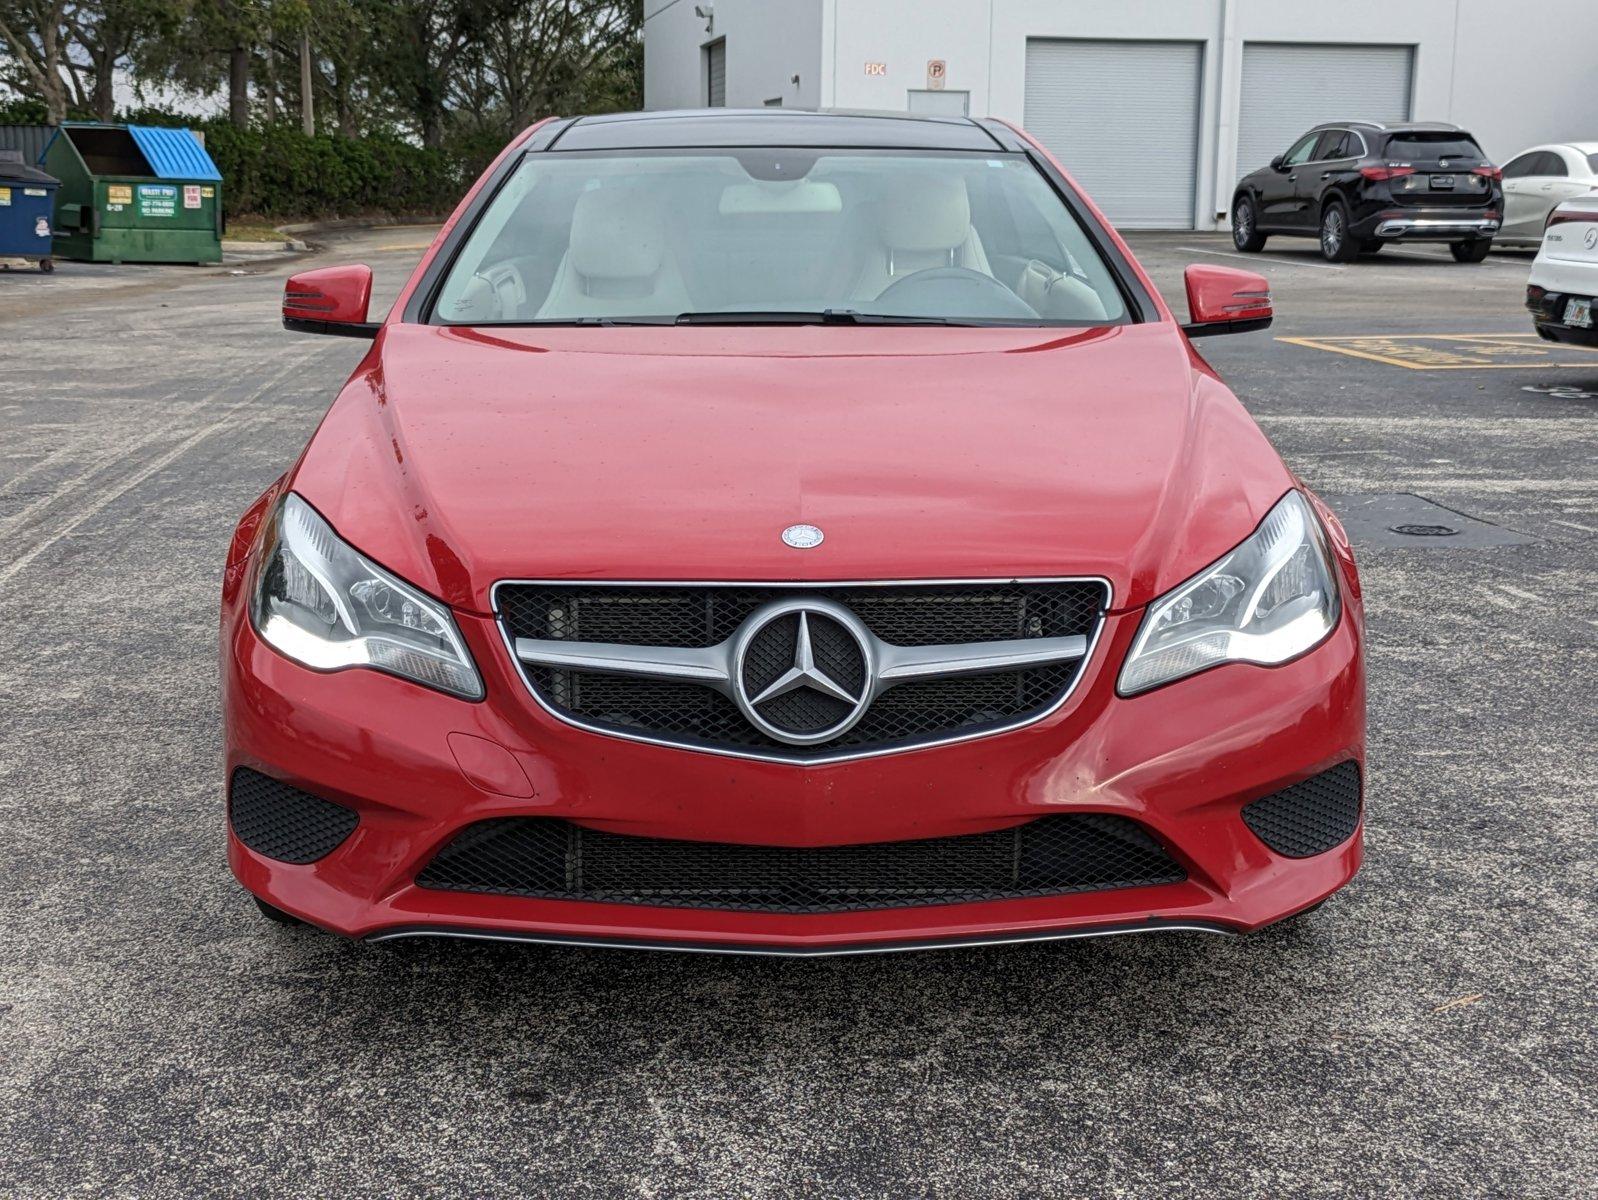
[(307, 107)]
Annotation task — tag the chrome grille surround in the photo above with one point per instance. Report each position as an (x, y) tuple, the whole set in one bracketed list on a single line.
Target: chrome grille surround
[(681, 670)]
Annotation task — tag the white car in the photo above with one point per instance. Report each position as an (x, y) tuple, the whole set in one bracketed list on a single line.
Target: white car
[(1537, 181), (1564, 279)]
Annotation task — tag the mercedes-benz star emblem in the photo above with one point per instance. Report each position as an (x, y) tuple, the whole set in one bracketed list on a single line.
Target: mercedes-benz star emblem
[(803, 537), (1589, 240), (802, 670)]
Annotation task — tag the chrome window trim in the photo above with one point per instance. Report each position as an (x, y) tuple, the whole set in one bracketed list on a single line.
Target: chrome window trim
[(1086, 661)]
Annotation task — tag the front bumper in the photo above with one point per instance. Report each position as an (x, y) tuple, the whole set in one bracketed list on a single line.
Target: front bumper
[(417, 767)]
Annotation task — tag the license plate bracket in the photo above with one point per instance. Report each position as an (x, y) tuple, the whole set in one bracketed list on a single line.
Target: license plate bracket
[(1578, 313), (1443, 183)]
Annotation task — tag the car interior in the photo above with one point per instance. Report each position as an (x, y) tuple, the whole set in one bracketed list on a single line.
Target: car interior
[(778, 232)]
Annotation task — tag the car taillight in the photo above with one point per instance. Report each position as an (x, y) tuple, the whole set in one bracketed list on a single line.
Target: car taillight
[(1489, 172), (1560, 216), (1378, 174)]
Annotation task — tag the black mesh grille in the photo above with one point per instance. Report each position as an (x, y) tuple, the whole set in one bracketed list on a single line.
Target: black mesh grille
[(285, 823), (905, 615), (557, 860), (1311, 817)]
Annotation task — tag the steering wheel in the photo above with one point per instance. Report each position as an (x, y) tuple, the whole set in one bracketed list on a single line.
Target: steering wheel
[(952, 292)]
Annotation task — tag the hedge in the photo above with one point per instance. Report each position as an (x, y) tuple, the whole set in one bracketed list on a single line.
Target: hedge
[(276, 171), (280, 172)]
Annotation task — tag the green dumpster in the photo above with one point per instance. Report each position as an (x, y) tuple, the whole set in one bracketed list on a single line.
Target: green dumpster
[(134, 193)]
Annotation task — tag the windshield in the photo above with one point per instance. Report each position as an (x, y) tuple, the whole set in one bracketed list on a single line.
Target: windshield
[(778, 235)]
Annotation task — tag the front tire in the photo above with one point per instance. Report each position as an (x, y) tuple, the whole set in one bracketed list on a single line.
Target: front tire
[(1336, 244), (1470, 252), (1246, 235)]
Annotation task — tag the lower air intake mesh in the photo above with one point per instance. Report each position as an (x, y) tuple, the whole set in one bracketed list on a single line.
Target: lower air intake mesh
[(285, 823), (553, 859), (1311, 817)]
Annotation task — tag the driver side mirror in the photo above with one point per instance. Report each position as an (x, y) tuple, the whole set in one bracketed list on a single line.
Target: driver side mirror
[(1276, 163), (1225, 300), (330, 300)]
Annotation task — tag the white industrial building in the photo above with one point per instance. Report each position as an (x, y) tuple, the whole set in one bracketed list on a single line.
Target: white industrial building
[(1157, 107)]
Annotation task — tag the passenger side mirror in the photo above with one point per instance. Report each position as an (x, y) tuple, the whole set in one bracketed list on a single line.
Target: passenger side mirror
[(330, 300), (1225, 300), (1276, 163)]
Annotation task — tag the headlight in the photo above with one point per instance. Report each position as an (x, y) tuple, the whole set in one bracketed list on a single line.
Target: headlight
[(1269, 600), (323, 604)]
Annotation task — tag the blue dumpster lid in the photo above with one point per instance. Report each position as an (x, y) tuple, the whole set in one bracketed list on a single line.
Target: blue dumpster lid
[(174, 153)]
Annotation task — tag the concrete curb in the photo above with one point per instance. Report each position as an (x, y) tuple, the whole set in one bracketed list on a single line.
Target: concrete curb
[(337, 223), (257, 249)]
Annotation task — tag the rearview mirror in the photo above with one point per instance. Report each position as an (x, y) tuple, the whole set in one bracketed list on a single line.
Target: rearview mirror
[(330, 300), (1225, 300), (1276, 163)]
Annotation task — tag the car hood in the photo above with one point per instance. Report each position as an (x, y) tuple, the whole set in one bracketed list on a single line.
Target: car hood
[(457, 457)]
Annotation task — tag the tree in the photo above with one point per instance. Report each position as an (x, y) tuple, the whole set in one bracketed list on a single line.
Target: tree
[(36, 39), (427, 45), (204, 43), (459, 75), (538, 57), (68, 53), (548, 56), (104, 36)]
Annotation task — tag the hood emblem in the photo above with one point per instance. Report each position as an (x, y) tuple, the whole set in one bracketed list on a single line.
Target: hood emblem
[(803, 537)]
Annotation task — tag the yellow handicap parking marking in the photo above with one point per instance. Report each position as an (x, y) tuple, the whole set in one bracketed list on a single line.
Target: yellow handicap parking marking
[(1455, 351)]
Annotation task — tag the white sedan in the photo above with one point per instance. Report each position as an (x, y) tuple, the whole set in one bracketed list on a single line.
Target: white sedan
[(1538, 180), (1564, 279)]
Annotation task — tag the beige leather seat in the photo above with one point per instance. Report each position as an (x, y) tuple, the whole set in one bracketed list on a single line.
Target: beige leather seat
[(619, 262), (922, 221), (1056, 296)]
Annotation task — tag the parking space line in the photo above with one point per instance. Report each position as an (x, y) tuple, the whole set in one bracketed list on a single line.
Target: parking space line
[(1266, 262), (1474, 353), (1448, 260), (229, 417)]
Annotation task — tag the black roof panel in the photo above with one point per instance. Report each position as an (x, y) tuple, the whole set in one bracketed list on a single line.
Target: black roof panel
[(772, 127)]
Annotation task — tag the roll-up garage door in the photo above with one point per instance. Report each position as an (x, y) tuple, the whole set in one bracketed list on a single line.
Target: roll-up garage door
[(1123, 118), (1290, 88)]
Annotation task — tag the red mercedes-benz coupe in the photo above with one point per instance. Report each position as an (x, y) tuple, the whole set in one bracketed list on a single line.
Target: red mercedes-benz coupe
[(789, 533)]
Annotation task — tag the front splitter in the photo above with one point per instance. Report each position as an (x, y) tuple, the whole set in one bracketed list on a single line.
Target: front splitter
[(1153, 925)]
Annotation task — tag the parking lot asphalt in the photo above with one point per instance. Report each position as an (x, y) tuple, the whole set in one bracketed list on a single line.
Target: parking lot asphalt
[(1428, 1032)]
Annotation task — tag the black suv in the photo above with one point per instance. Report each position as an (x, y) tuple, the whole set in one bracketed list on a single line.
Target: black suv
[(1360, 184)]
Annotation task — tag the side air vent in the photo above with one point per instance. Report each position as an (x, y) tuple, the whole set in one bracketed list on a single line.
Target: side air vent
[(1311, 817), (284, 823)]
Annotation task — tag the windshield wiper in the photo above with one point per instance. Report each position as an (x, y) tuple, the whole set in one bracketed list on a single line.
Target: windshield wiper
[(825, 316)]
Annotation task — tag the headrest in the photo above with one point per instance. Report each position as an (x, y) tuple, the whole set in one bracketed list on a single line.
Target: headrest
[(924, 212), (616, 234)]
